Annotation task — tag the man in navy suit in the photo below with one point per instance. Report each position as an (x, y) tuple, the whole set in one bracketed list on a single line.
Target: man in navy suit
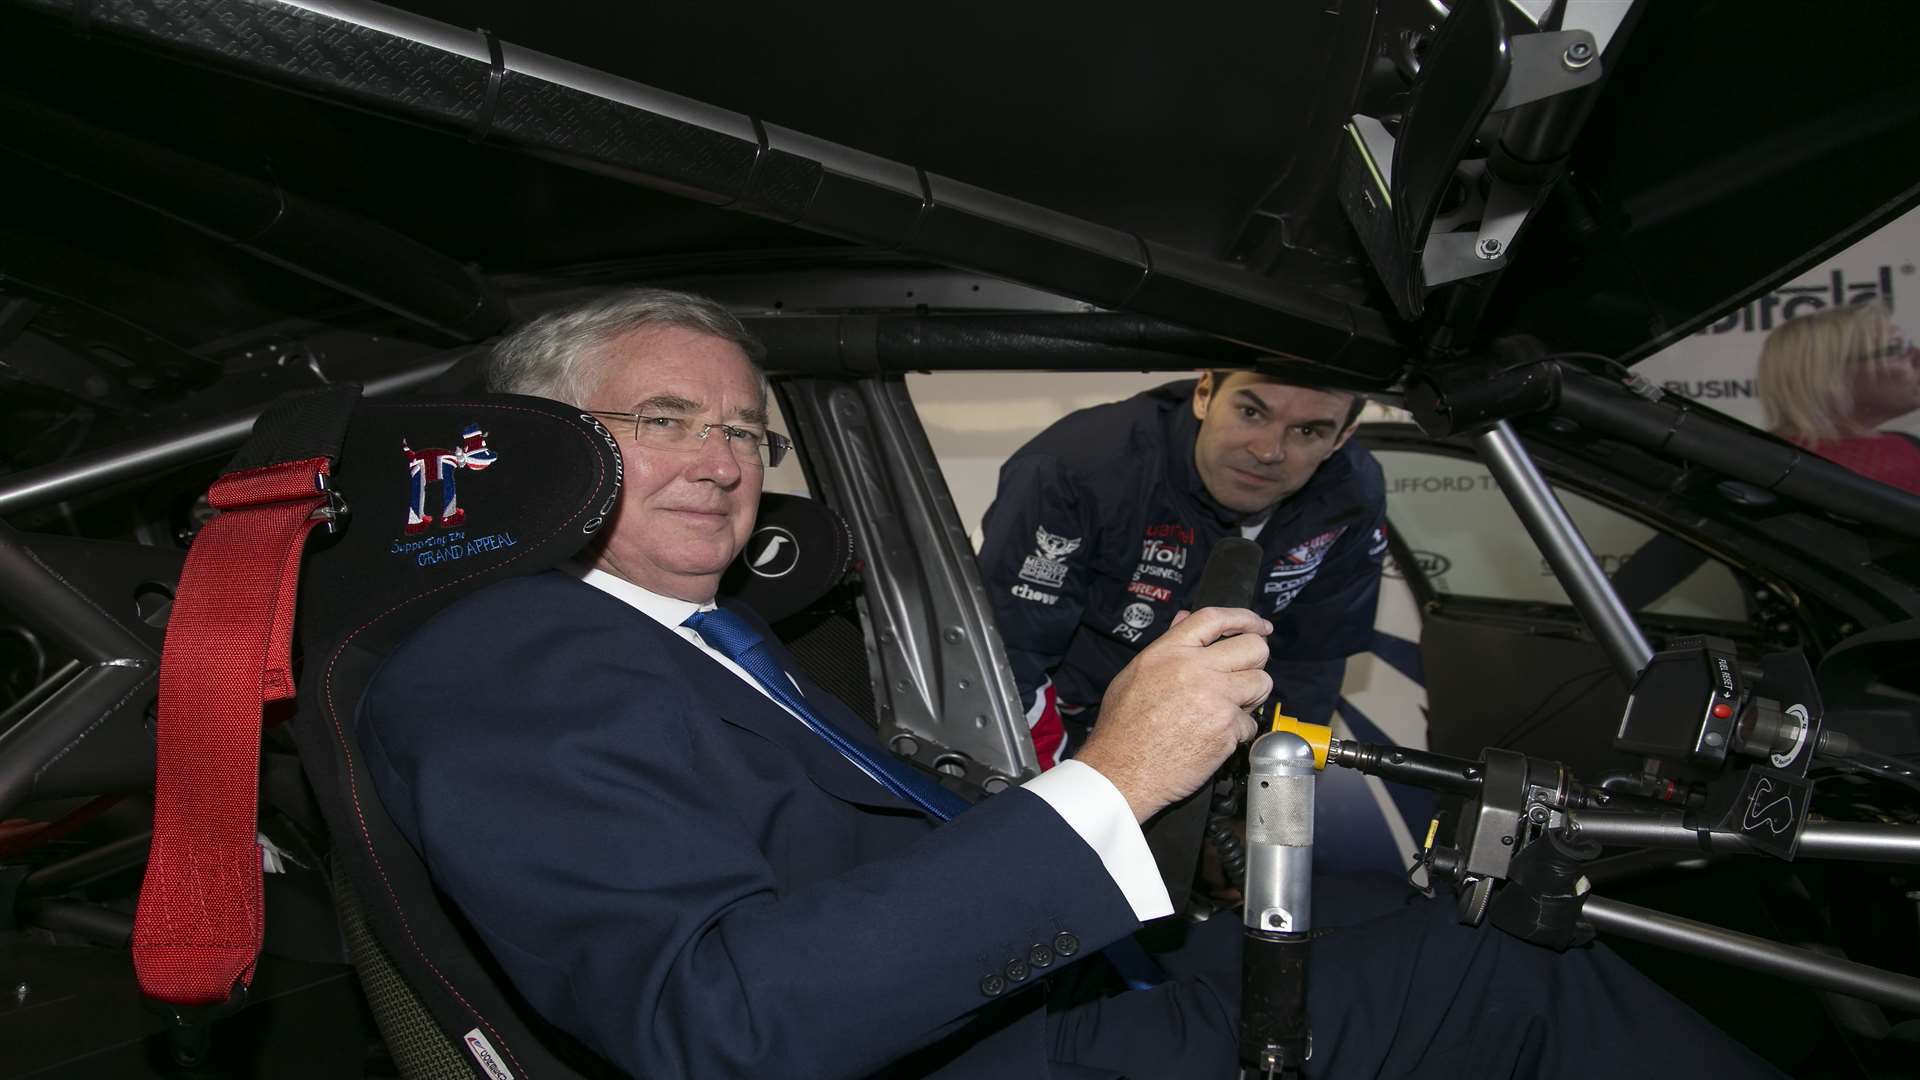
[(693, 859)]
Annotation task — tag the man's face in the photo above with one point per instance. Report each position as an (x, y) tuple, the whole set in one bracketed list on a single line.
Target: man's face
[(684, 514), (1260, 441)]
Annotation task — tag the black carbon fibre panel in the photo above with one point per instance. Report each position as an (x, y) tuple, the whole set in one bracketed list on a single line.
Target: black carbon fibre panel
[(429, 72), (784, 187), (313, 51), (683, 157)]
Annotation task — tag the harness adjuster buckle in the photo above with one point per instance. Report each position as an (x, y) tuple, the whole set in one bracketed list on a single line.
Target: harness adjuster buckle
[(335, 512)]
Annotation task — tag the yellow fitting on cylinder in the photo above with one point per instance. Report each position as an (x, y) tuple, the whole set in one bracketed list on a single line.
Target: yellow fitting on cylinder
[(1317, 735)]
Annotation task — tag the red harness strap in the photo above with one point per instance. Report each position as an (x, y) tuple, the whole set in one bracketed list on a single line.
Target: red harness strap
[(228, 651)]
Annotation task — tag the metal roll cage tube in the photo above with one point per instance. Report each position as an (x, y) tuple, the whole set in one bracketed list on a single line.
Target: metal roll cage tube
[(1857, 840), (1546, 520), (1566, 551), (179, 446), (1757, 954)]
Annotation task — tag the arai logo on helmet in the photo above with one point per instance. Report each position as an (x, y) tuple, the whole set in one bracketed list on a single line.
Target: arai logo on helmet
[(772, 552)]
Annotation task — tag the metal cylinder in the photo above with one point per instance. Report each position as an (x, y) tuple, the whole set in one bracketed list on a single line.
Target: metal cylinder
[(1863, 840), (1566, 551), (1279, 886), (1406, 765), (1757, 954), (157, 453)]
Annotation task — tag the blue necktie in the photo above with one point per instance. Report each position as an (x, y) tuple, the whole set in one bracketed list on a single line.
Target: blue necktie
[(737, 640)]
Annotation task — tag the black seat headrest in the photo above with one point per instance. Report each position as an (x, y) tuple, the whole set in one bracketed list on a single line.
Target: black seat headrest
[(445, 496), (800, 549)]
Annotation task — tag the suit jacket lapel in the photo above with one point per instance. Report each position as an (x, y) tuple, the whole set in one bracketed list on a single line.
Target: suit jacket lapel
[(742, 705)]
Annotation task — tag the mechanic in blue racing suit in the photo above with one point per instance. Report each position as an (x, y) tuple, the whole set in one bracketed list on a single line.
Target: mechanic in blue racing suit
[(1101, 524)]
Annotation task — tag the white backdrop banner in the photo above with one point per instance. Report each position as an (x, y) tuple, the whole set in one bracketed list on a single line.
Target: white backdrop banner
[(1718, 365)]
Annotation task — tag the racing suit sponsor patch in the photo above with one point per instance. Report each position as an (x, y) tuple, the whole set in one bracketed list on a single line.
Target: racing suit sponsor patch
[(1134, 619), (1158, 593), (1046, 566), (1292, 571), (1164, 553), (1172, 530)]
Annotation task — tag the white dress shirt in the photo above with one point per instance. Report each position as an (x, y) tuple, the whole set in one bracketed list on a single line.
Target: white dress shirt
[(1087, 801)]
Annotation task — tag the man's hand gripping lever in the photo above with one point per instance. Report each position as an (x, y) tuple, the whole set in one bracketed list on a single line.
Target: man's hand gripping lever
[(1180, 710)]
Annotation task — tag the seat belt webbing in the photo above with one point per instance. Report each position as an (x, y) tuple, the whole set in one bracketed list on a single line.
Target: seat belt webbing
[(199, 924)]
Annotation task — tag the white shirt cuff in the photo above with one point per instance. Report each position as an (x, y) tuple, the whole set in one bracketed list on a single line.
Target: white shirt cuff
[(1095, 809)]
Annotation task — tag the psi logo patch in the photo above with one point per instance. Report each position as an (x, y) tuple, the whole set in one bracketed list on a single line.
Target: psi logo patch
[(1134, 620), (425, 466)]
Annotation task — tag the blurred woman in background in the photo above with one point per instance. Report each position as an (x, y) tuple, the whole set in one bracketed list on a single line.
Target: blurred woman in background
[(1830, 380)]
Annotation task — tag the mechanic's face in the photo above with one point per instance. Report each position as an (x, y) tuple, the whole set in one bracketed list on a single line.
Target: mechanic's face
[(1260, 441), (683, 514)]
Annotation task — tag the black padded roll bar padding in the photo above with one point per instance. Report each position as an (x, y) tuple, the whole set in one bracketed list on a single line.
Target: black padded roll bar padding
[(1776, 466)]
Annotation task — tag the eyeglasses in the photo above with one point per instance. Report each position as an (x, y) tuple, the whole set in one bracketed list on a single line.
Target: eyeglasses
[(1895, 346), (681, 434)]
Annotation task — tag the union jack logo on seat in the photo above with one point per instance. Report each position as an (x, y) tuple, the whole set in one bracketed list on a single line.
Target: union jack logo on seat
[(445, 465)]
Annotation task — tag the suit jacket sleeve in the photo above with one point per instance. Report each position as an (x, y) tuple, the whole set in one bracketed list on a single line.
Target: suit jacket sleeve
[(565, 790)]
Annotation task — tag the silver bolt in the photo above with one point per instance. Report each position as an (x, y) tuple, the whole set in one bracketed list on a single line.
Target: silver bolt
[(1578, 55), (1489, 248), (954, 635)]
